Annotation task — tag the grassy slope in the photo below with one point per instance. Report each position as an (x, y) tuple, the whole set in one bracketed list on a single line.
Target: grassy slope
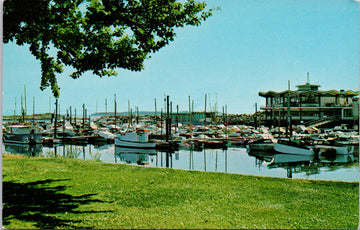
[(70, 193)]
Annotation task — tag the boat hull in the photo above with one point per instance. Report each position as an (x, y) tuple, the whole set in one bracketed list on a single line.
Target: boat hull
[(22, 138), (134, 144), (261, 147)]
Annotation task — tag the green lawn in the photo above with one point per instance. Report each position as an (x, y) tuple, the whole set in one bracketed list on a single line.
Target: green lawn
[(71, 193)]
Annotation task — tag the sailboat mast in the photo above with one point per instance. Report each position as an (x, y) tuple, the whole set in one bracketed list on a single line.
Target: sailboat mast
[(34, 110), (288, 111), (115, 107), (25, 98), (15, 109)]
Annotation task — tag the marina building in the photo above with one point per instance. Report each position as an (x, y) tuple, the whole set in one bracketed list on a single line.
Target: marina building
[(310, 106)]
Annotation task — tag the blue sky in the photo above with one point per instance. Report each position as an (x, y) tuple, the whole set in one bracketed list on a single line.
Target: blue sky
[(246, 47)]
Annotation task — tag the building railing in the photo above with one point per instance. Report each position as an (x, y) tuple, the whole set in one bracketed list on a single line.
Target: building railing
[(308, 118), (312, 105), (316, 121)]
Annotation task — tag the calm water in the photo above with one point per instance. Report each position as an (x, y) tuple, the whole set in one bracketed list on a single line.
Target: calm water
[(233, 160)]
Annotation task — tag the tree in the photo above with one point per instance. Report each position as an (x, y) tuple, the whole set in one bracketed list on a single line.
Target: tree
[(96, 35)]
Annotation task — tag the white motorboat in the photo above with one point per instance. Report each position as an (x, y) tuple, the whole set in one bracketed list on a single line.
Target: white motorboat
[(138, 139), (22, 134)]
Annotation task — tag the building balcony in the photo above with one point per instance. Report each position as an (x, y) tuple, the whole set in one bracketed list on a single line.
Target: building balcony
[(305, 118), (307, 106)]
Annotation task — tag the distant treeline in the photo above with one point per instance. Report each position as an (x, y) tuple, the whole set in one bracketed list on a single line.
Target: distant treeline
[(41, 116), (231, 119)]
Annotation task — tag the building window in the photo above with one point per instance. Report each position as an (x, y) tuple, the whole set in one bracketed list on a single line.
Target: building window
[(310, 98), (278, 99), (348, 113)]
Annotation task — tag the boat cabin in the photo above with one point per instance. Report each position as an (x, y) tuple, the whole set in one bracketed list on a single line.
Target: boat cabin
[(23, 129), (135, 137)]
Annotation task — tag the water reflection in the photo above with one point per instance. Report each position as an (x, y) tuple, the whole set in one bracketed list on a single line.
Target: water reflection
[(32, 150), (134, 155), (232, 160), (295, 164), (308, 165)]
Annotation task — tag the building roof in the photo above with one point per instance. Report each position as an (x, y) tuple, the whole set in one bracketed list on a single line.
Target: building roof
[(307, 86), (310, 89), (348, 93)]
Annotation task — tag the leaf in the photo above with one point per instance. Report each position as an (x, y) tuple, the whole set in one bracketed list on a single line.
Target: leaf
[(96, 36)]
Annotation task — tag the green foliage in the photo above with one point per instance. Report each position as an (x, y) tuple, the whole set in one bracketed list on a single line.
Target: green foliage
[(96, 35), (72, 193)]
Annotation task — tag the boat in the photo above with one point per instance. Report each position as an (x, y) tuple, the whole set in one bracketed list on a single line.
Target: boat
[(265, 143), (331, 146), (138, 139), (212, 144), (237, 141), (293, 147), (348, 140), (65, 130), (23, 134), (333, 149), (102, 135)]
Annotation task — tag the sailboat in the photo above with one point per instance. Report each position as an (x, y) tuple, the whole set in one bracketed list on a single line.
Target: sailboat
[(292, 146)]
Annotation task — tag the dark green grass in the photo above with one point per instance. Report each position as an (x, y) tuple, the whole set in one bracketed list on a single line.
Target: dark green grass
[(71, 193)]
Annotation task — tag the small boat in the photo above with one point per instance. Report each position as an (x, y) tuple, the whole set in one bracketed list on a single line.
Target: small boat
[(293, 147), (212, 144), (348, 140), (102, 135), (333, 149), (265, 143), (331, 146), (237, 141), (23, 134), (161, 144), (138, 139)]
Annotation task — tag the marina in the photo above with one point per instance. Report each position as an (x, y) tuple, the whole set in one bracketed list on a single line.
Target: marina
[(180, 114), (272, 143), (235, 160)]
